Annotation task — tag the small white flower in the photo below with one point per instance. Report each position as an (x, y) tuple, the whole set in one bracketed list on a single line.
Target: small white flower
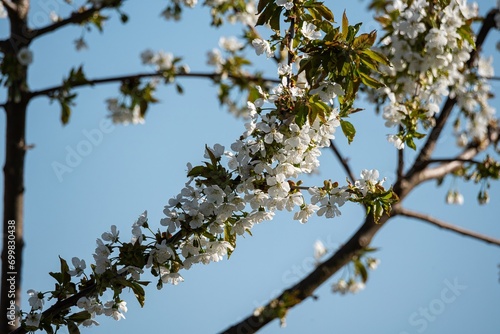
[(25, 56), (305, 212), (168, 277), (372, 263), (36, 299), (33, 319), (341, 286), (79, 267), (284, 69), (115, 310), (454, 197), (288, 4), (230, 44), (217, 151), (111, 236), (262, 46), (396, 140), (54, 17), (163, 60), (485, 68), (319, 250), (355, 287), (309, 31)]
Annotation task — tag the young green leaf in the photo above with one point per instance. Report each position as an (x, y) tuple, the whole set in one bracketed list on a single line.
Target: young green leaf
[(348, 129)]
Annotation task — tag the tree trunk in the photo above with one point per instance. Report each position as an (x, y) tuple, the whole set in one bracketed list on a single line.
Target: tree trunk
[(15, 150), (13, 201)]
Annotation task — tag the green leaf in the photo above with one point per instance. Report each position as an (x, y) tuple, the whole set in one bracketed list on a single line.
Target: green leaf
[(196, 171), (73, 328), (262, 4), (348, 129), (66, 277), (364, 41), (80, 316), (369, 81), (345, 26), (213, 159), (410, 143), (302, 113), (361, 270), (267, 14), (229, 237), (466, 33), (65, 112), (274, 22), (139, 293), (325, 12), (378, 57)]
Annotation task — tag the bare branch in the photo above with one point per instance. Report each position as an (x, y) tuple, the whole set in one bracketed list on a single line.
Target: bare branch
[(306, 287), (442, 160), (121, 78), (343, 161), (441, 224), (76, 17), (9, 6)]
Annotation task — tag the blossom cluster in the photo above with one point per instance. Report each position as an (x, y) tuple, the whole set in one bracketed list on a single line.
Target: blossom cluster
[(120, 114), (429, 45)]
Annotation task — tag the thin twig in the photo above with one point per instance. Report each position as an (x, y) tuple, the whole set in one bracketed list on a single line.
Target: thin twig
[(443, 160), (76, 17), (453, 228), (121, 78)]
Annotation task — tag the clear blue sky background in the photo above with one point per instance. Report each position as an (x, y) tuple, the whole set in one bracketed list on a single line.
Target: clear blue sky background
[(137, 168)]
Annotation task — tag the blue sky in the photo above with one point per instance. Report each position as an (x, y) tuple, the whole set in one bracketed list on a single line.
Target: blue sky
[(136, 168)]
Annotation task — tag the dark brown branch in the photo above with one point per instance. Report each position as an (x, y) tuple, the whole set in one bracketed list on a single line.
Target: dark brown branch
[(306, 287), (62, 305), (441, 224), (343, 161), (121, 78), (77, 17), (4, 46)]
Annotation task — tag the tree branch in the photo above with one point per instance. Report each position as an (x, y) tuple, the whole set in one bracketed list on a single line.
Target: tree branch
[(9, 6), (76, 17), (121, 78), (441, 224), (306, 287), (90, 290), (343, 161)]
